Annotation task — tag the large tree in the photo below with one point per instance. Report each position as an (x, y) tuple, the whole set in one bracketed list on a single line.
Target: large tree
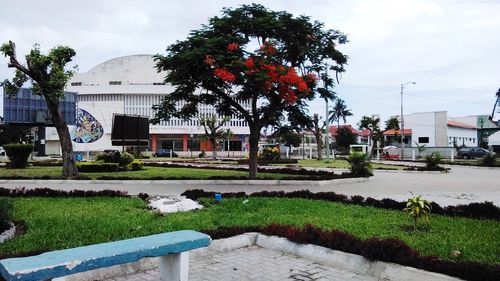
[(392, 124), (339, 111), (48, 76), (15, 134), (222, 64), (345, 137), (372, 124)]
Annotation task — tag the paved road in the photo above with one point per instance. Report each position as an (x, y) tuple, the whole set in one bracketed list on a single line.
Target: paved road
[(461, 185)]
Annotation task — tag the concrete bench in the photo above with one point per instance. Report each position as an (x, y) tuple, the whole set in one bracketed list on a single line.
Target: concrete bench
[(171, 247)]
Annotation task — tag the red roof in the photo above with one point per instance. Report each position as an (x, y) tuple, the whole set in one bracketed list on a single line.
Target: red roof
[(457, 124), (365, 133), (333, 129), (393, 132)]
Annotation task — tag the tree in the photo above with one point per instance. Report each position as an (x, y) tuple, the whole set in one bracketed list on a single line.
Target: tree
[(14, 134), (217, 66), (392, 124), (213, 131), (345, 137), (288, 136), (339, 111), (317, 130), (48, 77), (372, 125)]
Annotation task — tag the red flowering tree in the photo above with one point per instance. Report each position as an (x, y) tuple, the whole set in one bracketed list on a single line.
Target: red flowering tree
[(251, 54)]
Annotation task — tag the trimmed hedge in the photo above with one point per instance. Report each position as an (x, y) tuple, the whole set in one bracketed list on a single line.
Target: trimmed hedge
[(18, 154), (96, 167), (5, 214), (136, 165), (47, 192), (484, 210), (388, 250), (269, 161)]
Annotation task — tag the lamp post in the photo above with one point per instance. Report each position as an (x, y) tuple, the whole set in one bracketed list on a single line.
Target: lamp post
[(402, 118)]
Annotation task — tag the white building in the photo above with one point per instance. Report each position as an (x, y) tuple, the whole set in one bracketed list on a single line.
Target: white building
[(429, 128), (131, 85)]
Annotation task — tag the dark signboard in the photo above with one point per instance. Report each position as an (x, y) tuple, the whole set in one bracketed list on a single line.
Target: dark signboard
[(130, 130), (29, 109)]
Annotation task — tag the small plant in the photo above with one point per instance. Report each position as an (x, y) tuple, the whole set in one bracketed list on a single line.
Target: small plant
[(136, 165), (270, 153), (488, 160), (18, 154), (122, 159), (360, 166), (420, 148), (433, 160), (5, 214), (418, 207), (202, 154)]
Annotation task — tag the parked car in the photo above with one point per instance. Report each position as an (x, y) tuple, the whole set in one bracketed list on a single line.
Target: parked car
[(165, 153), (472, 152)]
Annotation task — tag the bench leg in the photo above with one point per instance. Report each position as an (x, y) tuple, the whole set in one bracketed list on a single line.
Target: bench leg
[(174, 267)]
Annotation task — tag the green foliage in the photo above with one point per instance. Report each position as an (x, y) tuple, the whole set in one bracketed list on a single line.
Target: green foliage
[(345, 137), (420, 148), (489, 160), (18, 154), (97, 167), (15, 134), (372, 124), (433, 160), (360, 166), (122, 159), (417, 207), (270, 153), (202, 154), (136, 165), (392, 124), (339, 111), (5, 213)]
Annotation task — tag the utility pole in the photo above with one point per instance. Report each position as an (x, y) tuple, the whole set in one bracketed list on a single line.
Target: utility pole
[(402, 118)]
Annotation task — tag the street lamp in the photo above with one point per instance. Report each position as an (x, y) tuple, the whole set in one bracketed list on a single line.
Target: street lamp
[(402, 118)]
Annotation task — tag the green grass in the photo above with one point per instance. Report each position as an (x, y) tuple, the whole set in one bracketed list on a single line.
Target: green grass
[(341, 164), (70, 222), (147, 172)]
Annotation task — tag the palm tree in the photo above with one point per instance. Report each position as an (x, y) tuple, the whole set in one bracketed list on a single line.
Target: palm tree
[(339, 111)]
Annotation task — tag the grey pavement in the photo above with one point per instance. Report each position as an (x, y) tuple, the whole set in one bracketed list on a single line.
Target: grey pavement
[(461, 185), (254, 263)]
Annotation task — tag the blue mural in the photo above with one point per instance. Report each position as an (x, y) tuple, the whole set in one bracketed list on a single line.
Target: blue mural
[(87, 128)]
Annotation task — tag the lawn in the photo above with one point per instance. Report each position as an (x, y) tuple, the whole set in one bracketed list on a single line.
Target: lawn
[(342, 164), (147, 172), (70, 222)]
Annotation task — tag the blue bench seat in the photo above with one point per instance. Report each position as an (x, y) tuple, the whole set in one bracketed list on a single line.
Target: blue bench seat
[(65, 262)]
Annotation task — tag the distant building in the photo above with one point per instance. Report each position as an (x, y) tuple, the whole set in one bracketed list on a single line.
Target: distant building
[(131, 85)]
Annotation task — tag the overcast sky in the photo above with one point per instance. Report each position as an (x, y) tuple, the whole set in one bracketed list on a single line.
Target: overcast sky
[(451, 48)]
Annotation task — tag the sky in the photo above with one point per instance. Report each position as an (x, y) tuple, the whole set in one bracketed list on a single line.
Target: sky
[(450, 48)]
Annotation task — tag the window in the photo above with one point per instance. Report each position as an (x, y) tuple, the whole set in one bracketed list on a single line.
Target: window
[(76, 83), (423, 140), (115, 82)]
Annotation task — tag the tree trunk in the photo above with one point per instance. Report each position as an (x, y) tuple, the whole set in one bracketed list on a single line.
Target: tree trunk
[(214, 149), (68, 161), (319, 144), (254, 151)]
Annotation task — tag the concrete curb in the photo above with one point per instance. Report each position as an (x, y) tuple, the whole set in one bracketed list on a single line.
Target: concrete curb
[(334, 258), (190, 182), (8, 234)]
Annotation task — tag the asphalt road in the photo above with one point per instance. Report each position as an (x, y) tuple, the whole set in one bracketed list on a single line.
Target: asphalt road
[(461, 185)]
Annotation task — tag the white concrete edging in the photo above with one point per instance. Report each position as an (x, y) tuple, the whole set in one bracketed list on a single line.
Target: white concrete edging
[(8, 234), (326, 256)]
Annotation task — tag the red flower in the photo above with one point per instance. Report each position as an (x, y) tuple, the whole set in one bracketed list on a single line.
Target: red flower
[(224, 74), (268, 48), (310, 77), (209, 60), (233, 46), (249, 63), (268, 85)]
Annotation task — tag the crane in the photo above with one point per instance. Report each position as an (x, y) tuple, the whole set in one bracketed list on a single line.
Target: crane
[(497, 102)]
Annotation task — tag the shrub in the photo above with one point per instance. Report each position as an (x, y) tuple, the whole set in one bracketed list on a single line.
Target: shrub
[(5, 214), (432, 161), (136, 165), (18, 154), (488, 160), (125, 159), (202, 154), (96, 167), (122, 159), (418, 207), (47, 192), (270, 153), (359, 165)]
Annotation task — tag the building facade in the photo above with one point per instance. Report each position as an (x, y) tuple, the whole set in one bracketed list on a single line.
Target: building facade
[(131, 85)]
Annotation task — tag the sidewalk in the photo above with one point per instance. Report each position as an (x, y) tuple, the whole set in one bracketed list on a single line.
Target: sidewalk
[(254, 263)]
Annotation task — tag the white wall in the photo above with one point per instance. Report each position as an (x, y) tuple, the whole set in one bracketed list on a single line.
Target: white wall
[(422, 125), (467, 137)]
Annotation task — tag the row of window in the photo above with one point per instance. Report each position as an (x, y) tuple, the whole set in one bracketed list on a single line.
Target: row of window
[(454, 139)]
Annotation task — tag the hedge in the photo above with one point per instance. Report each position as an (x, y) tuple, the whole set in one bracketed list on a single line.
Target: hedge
[(96, 167), (18, 154), (47, 192)]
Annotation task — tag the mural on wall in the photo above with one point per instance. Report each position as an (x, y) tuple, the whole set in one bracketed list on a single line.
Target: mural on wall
[(87, 128)]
